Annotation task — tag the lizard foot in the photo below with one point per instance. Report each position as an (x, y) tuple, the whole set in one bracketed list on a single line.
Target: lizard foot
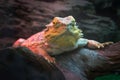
[(50, 59), (94, 44), (107, 43), (18, 42)]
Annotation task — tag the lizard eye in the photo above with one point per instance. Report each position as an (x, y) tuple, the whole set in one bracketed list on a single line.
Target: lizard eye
[(54, 22)]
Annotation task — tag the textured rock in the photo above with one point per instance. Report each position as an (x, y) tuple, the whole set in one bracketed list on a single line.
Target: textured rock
[(80, 64), (109, 8), (98, 28), (15, 65)]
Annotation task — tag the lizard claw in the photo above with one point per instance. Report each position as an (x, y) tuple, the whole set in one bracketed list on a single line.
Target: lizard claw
[(107, 43), (50, 59), (100, 45), (95, 44)]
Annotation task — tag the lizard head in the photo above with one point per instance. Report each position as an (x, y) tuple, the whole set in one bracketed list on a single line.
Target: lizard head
[(63, 31)]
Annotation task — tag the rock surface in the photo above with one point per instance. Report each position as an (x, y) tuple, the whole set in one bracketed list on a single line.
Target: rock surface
[(15, 66), (109, 8), (80, 64)]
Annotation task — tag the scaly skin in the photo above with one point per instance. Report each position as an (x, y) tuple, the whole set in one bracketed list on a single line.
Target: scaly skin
[(61, 35)]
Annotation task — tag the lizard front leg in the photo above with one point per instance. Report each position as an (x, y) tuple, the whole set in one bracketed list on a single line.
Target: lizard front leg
[(41, 52), (92, 43)]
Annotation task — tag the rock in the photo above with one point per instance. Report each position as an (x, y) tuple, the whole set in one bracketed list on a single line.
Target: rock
[(14, 65), (98, 28), (117, 35), (5, 30), (80, 64), (109, 8)]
